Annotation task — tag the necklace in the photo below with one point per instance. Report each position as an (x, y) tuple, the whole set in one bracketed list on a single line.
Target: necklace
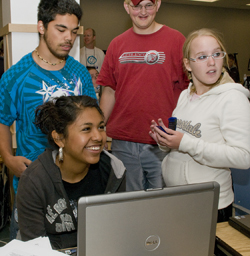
[(53, 64)]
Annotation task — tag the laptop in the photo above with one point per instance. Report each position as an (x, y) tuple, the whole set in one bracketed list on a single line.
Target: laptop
[(241, 223), (171, 221)]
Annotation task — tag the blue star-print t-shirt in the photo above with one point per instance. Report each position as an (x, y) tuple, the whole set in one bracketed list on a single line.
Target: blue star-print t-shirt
[(25, 86)]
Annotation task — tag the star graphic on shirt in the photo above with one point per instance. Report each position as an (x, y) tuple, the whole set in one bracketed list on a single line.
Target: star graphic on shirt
[(60, 92), (47, 91), (66, 86), (77, 90)]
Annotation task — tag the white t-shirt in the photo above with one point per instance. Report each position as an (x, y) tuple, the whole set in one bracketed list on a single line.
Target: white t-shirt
[(92, 57)]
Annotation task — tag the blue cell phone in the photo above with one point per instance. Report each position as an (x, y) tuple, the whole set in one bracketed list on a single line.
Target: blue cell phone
[(172, 121), (161, 128)]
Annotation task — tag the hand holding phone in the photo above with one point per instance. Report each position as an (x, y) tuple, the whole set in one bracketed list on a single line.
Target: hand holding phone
[(158, 126), (172, 121)]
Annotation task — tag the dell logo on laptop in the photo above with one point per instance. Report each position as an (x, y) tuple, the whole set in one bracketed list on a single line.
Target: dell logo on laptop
[(152, 242)]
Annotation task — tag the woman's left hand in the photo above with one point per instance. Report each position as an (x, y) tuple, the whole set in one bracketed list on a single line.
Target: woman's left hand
[(171, 139)]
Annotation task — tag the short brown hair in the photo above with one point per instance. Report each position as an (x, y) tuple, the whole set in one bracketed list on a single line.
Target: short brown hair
[(129, 1)]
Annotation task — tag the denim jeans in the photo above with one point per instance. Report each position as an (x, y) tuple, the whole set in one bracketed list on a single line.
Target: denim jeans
[(14, 222), (142, 162)]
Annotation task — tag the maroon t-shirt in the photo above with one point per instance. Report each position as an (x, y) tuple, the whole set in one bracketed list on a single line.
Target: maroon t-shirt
[(147, 75)]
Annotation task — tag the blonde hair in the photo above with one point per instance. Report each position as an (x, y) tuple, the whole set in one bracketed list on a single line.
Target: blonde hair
[(202, 32)]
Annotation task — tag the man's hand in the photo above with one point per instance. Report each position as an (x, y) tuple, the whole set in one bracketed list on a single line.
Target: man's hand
[(17, 164)]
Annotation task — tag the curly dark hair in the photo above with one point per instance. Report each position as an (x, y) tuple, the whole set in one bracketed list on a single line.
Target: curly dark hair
[(48, 9), (60, 113)]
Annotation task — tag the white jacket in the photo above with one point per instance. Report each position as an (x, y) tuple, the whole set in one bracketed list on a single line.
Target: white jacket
[(216, 129)]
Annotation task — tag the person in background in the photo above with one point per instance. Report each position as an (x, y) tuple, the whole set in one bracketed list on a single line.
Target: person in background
[(142, 76), (38, 77), (76, 166), (90, 55), (213, 127), (232, 69), (94, 74), (1, 59)]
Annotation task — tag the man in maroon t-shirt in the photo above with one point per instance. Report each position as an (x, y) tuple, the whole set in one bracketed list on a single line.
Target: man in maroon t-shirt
[(142, 76)]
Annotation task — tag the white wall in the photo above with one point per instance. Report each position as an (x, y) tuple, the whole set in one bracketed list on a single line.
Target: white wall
[(20, 43)]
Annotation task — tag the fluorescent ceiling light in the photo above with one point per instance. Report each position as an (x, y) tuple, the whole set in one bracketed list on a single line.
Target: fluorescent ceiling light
[(248, 4), (208, 1)]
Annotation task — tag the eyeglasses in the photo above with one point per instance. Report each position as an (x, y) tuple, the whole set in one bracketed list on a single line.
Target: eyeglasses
[(148, 7), (215, 56), (94, 76)]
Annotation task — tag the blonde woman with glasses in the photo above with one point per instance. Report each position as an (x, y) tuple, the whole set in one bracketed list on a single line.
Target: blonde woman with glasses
[(213, 127)]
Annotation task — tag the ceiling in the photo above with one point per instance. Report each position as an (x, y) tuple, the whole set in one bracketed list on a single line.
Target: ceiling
[(234, 4)]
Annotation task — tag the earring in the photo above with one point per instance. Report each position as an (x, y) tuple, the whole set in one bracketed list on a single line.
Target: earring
[(60, 154)]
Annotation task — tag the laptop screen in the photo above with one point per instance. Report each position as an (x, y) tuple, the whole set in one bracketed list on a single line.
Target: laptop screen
[(171, 221)]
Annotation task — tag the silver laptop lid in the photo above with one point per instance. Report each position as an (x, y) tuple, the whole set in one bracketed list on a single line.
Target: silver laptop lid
[(171, 221)]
